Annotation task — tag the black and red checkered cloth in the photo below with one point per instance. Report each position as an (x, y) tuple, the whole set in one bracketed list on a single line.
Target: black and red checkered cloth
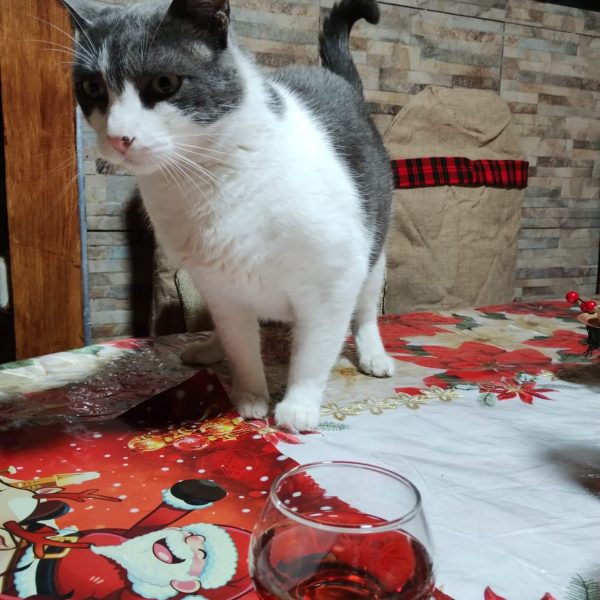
[(452, 170)]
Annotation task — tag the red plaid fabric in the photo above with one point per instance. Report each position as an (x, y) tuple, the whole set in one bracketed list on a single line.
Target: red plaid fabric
[(453, 170)]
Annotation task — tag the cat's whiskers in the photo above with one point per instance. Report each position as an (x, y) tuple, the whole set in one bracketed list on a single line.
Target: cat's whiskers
[(217, 143), (187, 176), (72, 180), (71, 161), (173, 177), (203, 161), (188, 141), (201, 170), (54, 148), (204, 149), (156, 31), (54, 44), (145, 48), (185, 172), (193, 170), (85, 59), (163, 171), (91, 47), (211, 137), (54, 26), (207, 176), (190, 137), (71, 63), (70, 166), (84, 47)]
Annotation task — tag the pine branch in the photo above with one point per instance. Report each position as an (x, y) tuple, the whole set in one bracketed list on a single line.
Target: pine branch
[(583, 589), (333, 426), (488, 399)]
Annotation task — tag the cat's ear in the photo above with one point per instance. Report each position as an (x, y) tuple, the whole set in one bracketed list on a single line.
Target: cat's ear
[(211, 16), (82, 13)]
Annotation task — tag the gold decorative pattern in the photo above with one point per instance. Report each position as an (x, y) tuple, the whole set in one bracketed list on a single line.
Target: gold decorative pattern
[(427, 394), (376, 406), (222, 429)]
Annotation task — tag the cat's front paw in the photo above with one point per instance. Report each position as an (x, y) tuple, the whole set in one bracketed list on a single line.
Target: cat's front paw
[(207, 352), (377, 365), (248, 405), (298, 413)]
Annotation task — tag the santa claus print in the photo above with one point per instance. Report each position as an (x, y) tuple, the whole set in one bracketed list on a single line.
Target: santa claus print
[(153, 559), (186, 560)]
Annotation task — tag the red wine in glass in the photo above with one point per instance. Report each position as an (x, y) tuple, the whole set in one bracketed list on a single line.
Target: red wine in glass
[(387, 566), (342, 531)]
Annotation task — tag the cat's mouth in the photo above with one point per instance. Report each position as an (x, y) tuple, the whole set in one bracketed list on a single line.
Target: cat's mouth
[(129, 159), (135, 164)]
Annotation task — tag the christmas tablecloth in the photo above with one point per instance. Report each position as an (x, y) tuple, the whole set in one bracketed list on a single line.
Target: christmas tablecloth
[(493, 413)]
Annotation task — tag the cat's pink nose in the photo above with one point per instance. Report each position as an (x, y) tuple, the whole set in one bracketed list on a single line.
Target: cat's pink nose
[(121, 143)]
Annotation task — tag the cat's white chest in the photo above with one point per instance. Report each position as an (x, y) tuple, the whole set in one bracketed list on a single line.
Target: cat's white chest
[(229, 253)]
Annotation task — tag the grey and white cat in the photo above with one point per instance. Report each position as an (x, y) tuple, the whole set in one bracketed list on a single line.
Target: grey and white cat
[(271, 190)]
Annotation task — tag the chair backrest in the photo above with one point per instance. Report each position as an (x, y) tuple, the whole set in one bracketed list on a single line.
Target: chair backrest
[(452, 246)]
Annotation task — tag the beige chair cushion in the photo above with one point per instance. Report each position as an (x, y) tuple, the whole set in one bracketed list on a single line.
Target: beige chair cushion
[(452, 246)]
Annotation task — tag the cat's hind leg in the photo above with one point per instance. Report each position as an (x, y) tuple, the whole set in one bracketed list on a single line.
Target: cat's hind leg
[(372, 357), (206, 352)]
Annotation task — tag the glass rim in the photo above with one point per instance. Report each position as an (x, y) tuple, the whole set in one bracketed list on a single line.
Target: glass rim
[(387, 525)]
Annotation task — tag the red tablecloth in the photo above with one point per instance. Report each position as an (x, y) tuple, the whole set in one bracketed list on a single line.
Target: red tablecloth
[(493, 413)]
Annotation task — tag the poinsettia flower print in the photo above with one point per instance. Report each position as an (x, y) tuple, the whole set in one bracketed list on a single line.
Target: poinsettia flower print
[(489, 594), (564, 339), (397, 328), (127, 344), (558, 309), (513, 388), (419, 323), (475, 362), (272, 434)]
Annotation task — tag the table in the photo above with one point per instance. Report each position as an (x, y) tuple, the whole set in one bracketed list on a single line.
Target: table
[(493, 413)]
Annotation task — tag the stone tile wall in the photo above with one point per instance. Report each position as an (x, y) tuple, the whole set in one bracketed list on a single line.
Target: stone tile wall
[(542, 58)]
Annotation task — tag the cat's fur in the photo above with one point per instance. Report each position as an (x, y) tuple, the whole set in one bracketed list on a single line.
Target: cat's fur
[(272, 190)]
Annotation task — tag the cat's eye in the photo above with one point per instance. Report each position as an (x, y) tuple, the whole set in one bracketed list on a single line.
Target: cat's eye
[(165, 85), (93, 89)]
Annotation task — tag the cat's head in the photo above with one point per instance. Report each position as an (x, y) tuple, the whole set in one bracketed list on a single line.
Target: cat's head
[(151, 78)]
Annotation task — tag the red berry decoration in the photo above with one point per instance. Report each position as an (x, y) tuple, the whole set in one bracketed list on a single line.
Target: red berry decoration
[(572, 297), (589, 306), (589, 317)]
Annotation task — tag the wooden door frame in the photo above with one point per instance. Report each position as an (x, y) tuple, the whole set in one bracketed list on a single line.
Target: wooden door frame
[(42, 181)]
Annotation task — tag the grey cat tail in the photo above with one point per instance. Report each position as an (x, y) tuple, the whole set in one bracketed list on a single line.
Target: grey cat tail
[(333, 41)]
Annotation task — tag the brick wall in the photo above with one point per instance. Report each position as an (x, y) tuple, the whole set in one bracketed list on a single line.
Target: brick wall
[(542, 58)]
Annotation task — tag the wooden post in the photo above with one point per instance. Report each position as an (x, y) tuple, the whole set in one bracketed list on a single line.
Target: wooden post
[(41, 177)]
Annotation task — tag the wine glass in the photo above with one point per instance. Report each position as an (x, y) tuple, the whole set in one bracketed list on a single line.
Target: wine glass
[(342, 531)]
